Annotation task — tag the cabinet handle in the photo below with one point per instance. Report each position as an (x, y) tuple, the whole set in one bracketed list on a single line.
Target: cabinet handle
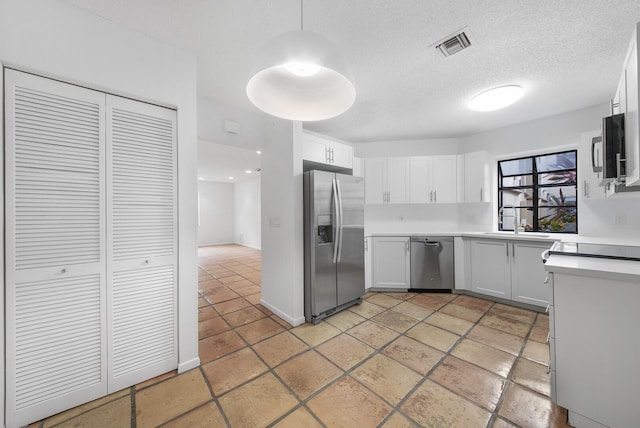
[(64, 270), (435, 196), (549, 367), (332, 157), (584, 189), (547, 309), (513, 251), (366, 244), (431, 196), (548, 337), (481, 195), (507, 249), (546, 280)]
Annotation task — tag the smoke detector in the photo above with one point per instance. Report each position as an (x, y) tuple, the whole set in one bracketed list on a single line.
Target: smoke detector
[(454, 43)]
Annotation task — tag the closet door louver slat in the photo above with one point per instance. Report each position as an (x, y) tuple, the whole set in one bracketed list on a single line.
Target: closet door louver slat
[(55, 246), (142, 240)]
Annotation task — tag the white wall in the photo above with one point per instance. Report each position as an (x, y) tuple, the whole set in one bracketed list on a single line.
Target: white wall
[(216, 219), (282, 232), (55, 39), (246, 213)]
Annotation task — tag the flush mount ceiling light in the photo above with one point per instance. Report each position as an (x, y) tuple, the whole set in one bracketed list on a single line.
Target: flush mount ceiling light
[(496, 98), (300, 75)]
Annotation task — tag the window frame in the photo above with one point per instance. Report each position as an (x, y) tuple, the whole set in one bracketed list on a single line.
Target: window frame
[(536, 187)]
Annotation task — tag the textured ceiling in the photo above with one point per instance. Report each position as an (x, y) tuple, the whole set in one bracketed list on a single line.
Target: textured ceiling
[(566, 54)]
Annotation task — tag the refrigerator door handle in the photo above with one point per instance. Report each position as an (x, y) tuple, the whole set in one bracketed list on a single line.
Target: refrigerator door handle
[(336, 220), (340, 225)]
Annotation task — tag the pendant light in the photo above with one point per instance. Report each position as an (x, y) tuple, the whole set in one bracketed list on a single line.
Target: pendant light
[(300, 75)]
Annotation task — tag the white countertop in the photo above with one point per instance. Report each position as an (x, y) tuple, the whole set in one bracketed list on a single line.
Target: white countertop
[(620, 270)]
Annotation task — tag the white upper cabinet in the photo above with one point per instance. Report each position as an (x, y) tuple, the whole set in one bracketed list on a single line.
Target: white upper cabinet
[(434, 179), (475, 171), (323, 150), (629, 106), (387, 180)]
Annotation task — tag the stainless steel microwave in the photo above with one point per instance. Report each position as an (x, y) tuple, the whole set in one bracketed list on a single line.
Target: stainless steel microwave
[(608, 152)]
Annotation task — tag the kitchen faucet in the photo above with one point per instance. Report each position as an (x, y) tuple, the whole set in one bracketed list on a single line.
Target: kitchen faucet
[(515, 216)]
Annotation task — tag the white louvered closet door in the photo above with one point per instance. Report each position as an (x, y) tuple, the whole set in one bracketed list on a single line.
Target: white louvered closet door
[(55, 246), (141, 241)]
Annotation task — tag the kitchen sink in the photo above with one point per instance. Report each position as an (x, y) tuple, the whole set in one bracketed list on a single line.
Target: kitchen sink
[(506, 233)]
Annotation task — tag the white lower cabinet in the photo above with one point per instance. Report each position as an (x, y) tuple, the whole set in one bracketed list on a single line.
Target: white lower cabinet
[(594, 352), (391, 262), (509, 269)]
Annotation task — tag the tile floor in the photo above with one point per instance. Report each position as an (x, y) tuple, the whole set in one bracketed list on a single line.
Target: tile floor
[(396, 360)]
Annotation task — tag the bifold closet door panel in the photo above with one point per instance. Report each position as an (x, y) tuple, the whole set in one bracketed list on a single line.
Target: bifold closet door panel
[(55, 248), (141, 241)]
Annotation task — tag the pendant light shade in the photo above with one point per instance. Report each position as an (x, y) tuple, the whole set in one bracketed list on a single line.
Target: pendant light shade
[(300, 75)]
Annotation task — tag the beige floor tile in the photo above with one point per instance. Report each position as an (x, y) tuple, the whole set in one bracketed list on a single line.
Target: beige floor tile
[(433, 336), (219, 295), (251, 289), (395, 320), (239, 285), (168, 399), (203, 417), (259, 330), (533, 376), (384, 300), (344, 320), (433, 406), (473, 302), (155, 380), (314, 335), (300, 418), (536, 351), (210, 284), (257, 403), (307, 373), (116, 414), (508, 325), (345, 351), (528, 409), (76, 411), (429, 301), (219, 345), (480, 386), (264, 309), (231, 279), (398, 420), (231, 306), (254, 299), (415, 311), (413, 354), (235, 369), (512, 312), (202, 302), (244, 316), (279, 348), (401, 295), (282, 322), (501, 423), (466, 313), (347, 402), (206, 313), (211, 327), (542, 321), (453, 324), (386, 377), (373, 334), (487, 357), (539, 334), (366, 309), (498, 339)]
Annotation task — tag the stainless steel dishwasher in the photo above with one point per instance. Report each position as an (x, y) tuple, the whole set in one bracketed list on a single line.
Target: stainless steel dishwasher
[(432, 263)]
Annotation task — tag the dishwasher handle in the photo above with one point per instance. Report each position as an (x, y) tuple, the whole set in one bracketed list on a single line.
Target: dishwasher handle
[(433, 243)]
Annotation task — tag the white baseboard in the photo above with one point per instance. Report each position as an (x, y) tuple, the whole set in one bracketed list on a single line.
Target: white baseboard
[(293, 321), (188, 365)]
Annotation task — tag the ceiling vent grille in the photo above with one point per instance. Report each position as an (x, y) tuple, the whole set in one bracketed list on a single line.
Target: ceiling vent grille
[(454, 44)]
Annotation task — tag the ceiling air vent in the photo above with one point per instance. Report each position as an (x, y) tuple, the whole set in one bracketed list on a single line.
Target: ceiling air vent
[(454, 44)]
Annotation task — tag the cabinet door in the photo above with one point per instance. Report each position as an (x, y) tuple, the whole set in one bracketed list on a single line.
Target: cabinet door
[(368, 262), (375, 183), (476, 175), (341, 155), (444, 179), (314, 149), (528, 274), (490, 268), (141, 241), (391, 262), (420, 179), (56, 342), (358, 167), (398, 180), (632, 116)]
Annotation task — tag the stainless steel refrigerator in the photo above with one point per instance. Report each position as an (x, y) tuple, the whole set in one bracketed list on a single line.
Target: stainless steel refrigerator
[(333, 243)]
